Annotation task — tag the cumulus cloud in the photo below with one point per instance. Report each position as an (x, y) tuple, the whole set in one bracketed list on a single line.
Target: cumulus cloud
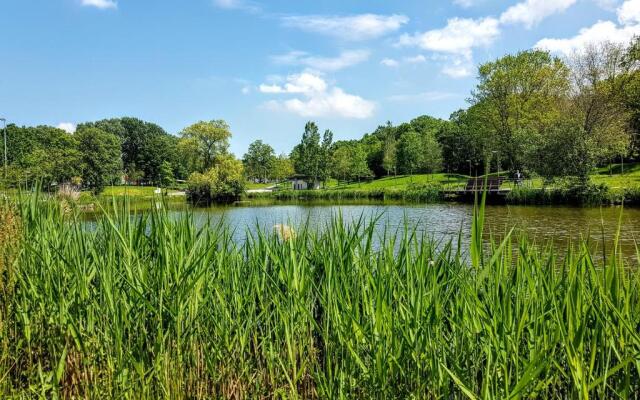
[(101, 4), (459, 36), (454, 43), (458, 69), (319, 99), (597, 33), (344, 60), (353, 28), (629, 12), (68, 127), (531, 12), (306, 83)]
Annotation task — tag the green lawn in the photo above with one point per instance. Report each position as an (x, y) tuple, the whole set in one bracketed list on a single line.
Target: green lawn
[(616, 180), (132, 191), (402, 182)]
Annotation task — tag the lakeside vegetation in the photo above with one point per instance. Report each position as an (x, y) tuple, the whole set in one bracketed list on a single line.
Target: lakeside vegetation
[(559, 124), (155, 307)]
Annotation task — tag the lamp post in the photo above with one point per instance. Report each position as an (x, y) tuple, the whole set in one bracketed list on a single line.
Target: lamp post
[(496, 154), (469, 161), (4, 121)]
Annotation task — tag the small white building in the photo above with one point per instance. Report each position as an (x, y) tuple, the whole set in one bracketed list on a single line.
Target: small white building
[(302, 182)]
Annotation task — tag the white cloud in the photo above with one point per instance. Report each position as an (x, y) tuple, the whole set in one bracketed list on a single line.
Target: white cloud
[(629, 12), (354, 28), (390, 62), (344, 60), (454, 43), (424, 96), (319, 99), (101, 4), (532, 12), (306, 83), (69, 127), (599, 32), (460, 36), (419, 59)]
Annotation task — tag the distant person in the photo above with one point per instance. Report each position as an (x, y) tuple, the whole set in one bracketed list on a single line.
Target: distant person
[(518, 177)]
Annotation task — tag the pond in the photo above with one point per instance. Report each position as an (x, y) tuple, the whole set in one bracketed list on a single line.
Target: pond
[(442, 222)]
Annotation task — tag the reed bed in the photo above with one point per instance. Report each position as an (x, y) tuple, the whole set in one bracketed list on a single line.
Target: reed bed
[(154, 307)]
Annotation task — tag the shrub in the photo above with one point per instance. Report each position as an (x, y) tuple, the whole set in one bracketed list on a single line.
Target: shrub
[(224, 181)]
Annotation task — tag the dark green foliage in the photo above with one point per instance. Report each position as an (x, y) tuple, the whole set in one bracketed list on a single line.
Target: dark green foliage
[(566, 191), (41, 154), (259, 161), (101, 164), (145, 146), (223, 182)]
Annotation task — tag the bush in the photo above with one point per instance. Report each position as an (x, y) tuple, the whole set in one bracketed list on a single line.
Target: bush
[(225, 181), (566, 191)]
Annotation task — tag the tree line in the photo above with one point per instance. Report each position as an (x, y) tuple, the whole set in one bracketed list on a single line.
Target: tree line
[(531, 111)]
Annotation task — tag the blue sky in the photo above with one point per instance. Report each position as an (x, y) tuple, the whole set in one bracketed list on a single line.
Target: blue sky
[(267, 67)]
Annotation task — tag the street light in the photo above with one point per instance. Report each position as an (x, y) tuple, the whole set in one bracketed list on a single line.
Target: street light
[(469, 161), (4, 121)]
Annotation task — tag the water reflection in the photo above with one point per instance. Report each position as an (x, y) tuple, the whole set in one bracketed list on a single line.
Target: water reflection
[(442, 222)]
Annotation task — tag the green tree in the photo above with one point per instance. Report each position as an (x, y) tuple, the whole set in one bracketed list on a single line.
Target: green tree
[(259, 161), (463, 141), (598, 75), (410, 153), (325, 156), (166, 174), (145, 146), (390, 154), (101, 161), (518, 97), (341, 162), (223, 181), (431, 153), (359, 167), (282, 168), (207, 140), (307, 156), (43, 153)]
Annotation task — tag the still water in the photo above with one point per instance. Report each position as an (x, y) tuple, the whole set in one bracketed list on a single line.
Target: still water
[(442, 222)]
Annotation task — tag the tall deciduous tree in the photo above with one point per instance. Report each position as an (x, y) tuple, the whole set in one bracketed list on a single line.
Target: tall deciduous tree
[(431, 153), (259, 161), (325, 156), (410, 153), (207, 140), (519, 96), (598, 75), (282, 168), (390, 154), (101, 163), (145, 146), (307, 156)]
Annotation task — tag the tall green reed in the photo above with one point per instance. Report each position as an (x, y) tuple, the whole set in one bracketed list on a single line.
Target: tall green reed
[(151, 306)]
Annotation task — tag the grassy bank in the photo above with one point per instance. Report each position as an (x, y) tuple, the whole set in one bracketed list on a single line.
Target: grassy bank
[(154, 308)]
